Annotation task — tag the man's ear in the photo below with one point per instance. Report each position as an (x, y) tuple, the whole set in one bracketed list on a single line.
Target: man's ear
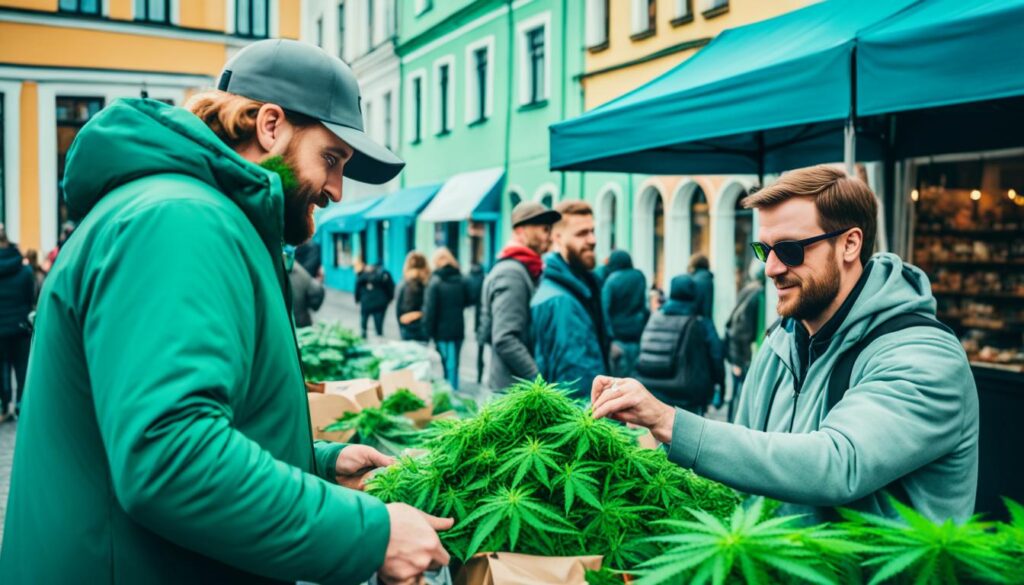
[(854, 242), (270, 128)]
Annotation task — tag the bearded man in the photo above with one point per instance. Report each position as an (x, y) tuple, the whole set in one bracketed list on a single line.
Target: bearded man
[(858, 394), (165, 436), (570, 338)]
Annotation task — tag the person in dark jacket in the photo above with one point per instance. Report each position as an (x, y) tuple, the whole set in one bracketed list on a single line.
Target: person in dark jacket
[(308, 254), (681, 356), (374, 291), (409, 306), (443, 314), (742, 328), (624, 302), (475, 282), (307, 292), (705, 283), (17, 295), (505, 306), (570, 338)]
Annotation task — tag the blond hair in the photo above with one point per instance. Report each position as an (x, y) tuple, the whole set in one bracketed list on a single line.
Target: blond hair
[(233, 117), (842, 201), (443, 257)]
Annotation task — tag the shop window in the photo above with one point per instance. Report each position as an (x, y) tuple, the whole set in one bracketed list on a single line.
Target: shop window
[(343, 250), (645, 18), (700, 220), (969, 217), (382, 227), (252, 18), (743, 254), (597, 24), (72, 114), (154, 11), (81, 7)]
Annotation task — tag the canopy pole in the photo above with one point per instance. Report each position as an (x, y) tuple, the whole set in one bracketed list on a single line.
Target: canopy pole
[(850, 131), (760, 159)]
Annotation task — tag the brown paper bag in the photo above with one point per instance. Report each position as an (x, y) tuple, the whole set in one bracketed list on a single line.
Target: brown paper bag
[(365, 392), (392, 382), (324, 409), (516, 569)]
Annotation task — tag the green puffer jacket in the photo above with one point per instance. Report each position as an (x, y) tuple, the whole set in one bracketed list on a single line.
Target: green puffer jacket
[(165, 435)]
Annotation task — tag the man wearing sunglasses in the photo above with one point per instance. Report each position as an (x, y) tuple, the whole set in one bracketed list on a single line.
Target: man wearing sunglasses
[(858, 392)]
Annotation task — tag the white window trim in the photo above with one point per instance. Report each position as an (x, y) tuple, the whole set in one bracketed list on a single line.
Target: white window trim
[(175, 12), (546, 189), (11, 113), (684, 8), (541, 20), (596, 16), (640, 20), (448, 60), (472, 115), (712, 4), (410, 105)]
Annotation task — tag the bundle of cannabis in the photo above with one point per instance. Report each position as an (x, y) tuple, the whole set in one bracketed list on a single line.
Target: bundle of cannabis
[(534, 473), (383, 427)]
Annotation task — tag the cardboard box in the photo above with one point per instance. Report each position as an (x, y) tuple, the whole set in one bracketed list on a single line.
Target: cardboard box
[(517, 569), (337, 398), (392, 382)]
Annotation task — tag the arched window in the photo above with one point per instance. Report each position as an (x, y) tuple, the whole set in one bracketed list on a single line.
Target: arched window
[(514, 198), (700, 222), (547, 200)]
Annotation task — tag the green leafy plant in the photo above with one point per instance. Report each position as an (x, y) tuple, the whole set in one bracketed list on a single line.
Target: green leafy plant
[(402, 401), (377, 428), (532, 472), (331, 352), (916, 550), (748, 548), (446, 401)]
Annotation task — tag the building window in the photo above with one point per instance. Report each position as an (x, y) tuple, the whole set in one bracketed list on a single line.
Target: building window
[(645, 18), (252, 18), (534, 61), (342, 250), (387, 120), (86, 7), (341, 30), (514, 198), (421, 6), (444, 96), (156, 11), (390, 16), (713, 8), (320, 32), (368, 124), (479, 81), (371, 23), (700, 222), (72, 113), (3, 167), (415, 105), (684, 12), (597, 24)]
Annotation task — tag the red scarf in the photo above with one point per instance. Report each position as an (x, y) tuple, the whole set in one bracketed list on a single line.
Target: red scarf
[(530, 259)]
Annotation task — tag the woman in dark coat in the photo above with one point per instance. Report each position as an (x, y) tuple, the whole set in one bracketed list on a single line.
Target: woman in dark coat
[(411, 293), (447, 297)]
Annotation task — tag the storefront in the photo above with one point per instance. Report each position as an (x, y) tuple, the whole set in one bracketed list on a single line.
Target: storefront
[(464, 216)]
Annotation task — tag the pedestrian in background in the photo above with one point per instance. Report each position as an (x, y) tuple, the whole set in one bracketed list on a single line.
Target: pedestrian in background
[(570, 338), (475, 282), (508, 289), (409, 305), (32, 261), (17, 297), (374, 291), (742, 328), (307, 292), (681, 357), (700, 269), (308, 254), (623, 298), (444, 312)]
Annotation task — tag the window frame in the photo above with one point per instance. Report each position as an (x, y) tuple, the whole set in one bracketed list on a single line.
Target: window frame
[(440, 128), (596, 38), (684, 13), (388, 121), (474, 115), (170, 12), (523, 30), (101, 9), (340, 8), (644, 19), (414, 109), (251, 24)]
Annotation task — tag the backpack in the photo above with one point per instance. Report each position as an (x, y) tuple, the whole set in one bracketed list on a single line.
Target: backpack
[(674, 360)]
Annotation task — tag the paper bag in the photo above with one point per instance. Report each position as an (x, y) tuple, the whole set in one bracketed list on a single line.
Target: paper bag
[(516, 569), (392, 382), (324, 409), (363, 391)]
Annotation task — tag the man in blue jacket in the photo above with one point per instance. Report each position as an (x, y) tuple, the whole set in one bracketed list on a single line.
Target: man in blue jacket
[(815, 429), (570, 338)]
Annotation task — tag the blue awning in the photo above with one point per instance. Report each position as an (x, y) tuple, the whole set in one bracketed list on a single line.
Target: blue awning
[(473, 195), (767, 96), (406, 203), (942, 53), (347, 216)]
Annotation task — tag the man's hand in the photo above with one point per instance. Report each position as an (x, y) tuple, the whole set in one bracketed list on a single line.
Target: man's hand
[(355, 462), (626, 400), (414, 547), (737, 371)]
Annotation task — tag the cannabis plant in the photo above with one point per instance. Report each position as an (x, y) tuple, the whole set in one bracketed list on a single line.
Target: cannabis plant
[(748, 548), (402, 401), (383, 427), (916, 550), (331, 352), (533, 472)]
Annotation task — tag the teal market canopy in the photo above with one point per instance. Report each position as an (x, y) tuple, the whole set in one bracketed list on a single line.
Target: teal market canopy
[(347, 216), (407, 203)]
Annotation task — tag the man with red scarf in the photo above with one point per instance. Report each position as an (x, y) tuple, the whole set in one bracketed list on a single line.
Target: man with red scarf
[(505, 302)]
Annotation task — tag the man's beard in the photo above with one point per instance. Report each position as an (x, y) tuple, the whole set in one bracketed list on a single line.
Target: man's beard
[(299, 195), (578, 260), (813, 297)]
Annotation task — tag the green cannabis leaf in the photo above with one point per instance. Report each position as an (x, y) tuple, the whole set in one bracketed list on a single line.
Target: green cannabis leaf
[(331, 352)]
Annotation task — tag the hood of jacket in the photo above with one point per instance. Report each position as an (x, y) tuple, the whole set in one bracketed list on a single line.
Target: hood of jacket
[(557, 269), (10, 261), (682, 296), (619, 260), (135, 138), (448, 273)]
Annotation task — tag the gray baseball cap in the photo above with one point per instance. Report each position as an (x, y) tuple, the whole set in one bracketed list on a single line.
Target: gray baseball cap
[(533, 213), (304, 78)]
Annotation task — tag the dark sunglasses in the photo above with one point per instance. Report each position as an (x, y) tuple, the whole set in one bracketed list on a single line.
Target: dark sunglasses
[(791, 252)]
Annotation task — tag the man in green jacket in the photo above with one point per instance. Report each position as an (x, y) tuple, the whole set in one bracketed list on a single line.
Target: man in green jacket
[(908, 423), (165, 436)]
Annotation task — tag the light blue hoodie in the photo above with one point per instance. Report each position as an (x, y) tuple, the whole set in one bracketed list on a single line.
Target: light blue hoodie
[(911, 414)]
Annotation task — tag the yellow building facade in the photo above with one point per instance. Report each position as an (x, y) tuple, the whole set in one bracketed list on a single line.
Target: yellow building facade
[(61, 61), (662, 220)]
